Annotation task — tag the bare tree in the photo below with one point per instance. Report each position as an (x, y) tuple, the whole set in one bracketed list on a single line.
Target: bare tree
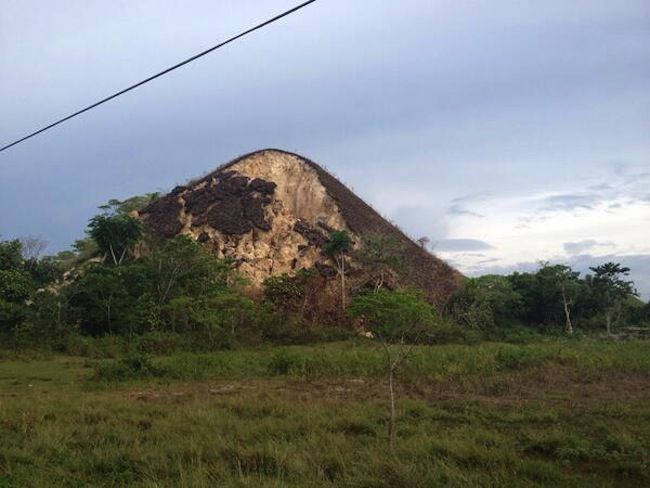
[(337, 247), (33, 247), (380, 255), (423, 242), (398, 320)]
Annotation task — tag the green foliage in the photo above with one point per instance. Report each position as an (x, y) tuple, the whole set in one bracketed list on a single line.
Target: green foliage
[(176, 283), (11, 254), (222, 317), (395, 315), (300, 300), (125, 207), (285, 290), (85, 248), (180, 266), (97, 299), (339, 243), (609, 284), (15, 286), (484, 302), (115, 235), (135, 366), (381, 256)]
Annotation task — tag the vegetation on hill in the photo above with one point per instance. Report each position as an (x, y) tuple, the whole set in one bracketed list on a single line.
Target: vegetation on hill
[(121, 281)]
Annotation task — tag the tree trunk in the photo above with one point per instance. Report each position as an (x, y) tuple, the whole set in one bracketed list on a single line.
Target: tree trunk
[(110, 247), (342, 271), (122, 256), (391, 420), (59, 329), (108, 318), (568, 327), (608, 321)]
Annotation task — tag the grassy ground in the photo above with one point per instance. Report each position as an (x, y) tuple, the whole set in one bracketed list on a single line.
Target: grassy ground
[(547, 414)]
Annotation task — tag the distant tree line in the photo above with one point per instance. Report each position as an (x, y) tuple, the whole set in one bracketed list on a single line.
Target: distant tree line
[(554, 295)]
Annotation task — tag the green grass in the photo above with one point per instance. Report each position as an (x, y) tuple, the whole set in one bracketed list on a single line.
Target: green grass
[(547, 414)]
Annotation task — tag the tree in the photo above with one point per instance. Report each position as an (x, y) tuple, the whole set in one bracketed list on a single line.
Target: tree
[(299, 294), (423, 242), (97, 298), (32, 247), (562, 284), (397, 319), (16, 285), (115, 235), (380, 255), (611, 289), (182, 266), (125, 207), (85, 248), (337, 248), (11, 254), (484, 302)]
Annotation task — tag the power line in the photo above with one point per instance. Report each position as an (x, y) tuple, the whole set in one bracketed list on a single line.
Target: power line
[(164, 72)]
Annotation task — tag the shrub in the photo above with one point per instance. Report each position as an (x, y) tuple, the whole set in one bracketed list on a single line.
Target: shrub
[(134, 366), (396, 315)]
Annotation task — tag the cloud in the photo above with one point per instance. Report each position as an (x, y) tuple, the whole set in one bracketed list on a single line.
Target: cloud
[(579, 247), (600, 187), (459, 245), (570, 202), (457, 209)]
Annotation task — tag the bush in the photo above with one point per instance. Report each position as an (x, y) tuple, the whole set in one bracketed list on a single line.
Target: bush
[(136, 366), (160, 343), (395, 316)]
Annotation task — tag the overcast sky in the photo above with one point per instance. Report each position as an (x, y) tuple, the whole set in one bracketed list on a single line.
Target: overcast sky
[(508, 132)]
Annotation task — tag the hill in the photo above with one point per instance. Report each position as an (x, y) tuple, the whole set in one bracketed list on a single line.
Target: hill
[(272, 211)]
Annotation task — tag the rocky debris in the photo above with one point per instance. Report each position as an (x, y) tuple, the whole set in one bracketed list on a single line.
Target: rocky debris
[(325, 270), (314, 236), (177, 190), (163, 216), (264, 187), (230, 203)]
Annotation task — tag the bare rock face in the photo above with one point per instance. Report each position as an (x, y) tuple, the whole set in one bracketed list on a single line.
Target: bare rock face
[(271, 211)]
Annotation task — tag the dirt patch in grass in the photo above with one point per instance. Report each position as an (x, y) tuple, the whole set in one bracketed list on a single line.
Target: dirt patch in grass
[(562, 388)]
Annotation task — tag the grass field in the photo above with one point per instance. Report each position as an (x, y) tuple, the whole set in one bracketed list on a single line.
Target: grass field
[(545, 414)]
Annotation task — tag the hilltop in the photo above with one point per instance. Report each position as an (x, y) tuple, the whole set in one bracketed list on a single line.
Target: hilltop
[(271, 211)]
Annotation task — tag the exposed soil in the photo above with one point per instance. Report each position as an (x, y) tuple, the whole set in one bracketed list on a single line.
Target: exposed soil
[(424, 270), (513, 390)]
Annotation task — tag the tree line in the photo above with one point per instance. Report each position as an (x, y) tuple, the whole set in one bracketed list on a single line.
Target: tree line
[(554, 295), (121, 281)]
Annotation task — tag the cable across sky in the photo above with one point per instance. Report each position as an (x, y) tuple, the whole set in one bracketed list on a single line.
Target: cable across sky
[(161, 73)]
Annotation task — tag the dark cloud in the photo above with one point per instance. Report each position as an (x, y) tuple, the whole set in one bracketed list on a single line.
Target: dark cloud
[(570, 202), (469, 198), (460, 245), (600, 187), (457, 209), (579, 247)]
